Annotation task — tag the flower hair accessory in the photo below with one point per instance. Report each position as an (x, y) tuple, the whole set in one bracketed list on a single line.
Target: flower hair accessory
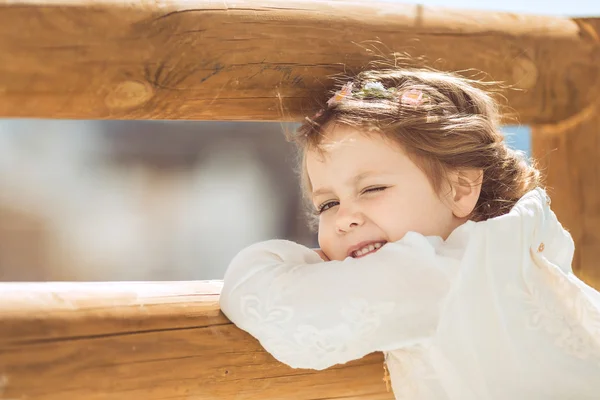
[(369, 90), (341, 94), (375, 90), (412, 97)]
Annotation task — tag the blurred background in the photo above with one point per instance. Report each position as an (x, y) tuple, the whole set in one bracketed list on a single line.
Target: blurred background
[(145, 200), (160, 200)]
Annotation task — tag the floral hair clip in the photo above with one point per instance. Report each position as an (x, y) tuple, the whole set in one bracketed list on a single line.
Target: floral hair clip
[(375, 90), (370, 89), (412, 97), (341, 94)]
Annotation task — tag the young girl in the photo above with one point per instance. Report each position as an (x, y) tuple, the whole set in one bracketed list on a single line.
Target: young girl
[(438, 248)]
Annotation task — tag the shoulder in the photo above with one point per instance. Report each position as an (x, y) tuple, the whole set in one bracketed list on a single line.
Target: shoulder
[(532, 209), (533, 223)]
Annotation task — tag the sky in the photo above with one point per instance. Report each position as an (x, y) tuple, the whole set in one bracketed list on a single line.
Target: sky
[(572, 8)]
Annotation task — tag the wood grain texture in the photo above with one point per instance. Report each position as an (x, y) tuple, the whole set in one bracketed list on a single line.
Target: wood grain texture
[(568, 154), (150, 341), (225, 60)]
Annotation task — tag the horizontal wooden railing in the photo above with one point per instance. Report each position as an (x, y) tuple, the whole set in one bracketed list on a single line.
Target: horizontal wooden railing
[(269, 59), (150, 341)]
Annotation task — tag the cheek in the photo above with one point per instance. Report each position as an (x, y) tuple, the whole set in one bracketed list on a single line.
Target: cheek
[(328, 239), (408, 211), (392, 217), (323, 235)]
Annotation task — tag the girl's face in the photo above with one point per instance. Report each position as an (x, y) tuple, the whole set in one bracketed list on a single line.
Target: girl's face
[(369, 192)]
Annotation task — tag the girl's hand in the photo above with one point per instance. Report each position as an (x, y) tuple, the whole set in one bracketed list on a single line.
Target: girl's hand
[(321, 254)]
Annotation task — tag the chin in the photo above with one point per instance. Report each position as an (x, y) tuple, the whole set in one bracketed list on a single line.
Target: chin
[(333, 257)]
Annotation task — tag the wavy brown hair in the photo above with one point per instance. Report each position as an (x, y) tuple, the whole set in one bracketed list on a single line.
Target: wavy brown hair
[(457, 128)]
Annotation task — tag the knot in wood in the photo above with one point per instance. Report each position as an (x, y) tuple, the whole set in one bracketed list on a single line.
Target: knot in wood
[(129, 94), (524, 72)]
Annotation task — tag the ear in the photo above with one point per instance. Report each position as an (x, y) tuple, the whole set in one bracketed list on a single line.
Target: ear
[(466, 188)]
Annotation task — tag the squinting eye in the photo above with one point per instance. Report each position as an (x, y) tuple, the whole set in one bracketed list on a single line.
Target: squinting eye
[(374, 189), (326, 206)]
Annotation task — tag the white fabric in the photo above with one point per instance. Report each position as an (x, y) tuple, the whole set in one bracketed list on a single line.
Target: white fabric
[(494, 312)]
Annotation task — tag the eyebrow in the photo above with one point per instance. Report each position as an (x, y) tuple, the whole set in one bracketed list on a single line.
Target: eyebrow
[(352, 181)]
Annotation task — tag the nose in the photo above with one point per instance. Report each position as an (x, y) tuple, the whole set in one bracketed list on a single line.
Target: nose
[(348, 219)]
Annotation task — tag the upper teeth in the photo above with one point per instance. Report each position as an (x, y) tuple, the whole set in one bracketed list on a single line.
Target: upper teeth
[(367, 249)]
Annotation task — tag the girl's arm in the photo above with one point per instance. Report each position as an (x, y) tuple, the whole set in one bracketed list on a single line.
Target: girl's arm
[(313, 314)]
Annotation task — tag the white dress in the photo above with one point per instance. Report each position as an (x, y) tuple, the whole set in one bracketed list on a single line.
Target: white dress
[(493, 312)]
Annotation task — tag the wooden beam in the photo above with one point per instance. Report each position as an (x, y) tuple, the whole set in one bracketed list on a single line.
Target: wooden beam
[(212, 60), (150, 341)]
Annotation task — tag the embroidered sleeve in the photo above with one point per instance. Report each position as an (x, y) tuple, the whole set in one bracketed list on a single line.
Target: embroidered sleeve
[(313, 314)]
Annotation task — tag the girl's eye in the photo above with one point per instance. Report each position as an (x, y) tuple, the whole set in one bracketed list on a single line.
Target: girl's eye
[(375, 189), (326, 206)]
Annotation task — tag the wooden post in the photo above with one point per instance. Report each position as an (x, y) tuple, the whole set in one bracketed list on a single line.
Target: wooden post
[(568, 153), (150, 341)]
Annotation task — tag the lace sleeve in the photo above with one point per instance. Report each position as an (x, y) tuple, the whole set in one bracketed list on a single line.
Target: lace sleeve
[(313, 314)]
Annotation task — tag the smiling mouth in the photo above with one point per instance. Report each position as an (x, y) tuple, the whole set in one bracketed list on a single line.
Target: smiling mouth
[(367, 249)]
